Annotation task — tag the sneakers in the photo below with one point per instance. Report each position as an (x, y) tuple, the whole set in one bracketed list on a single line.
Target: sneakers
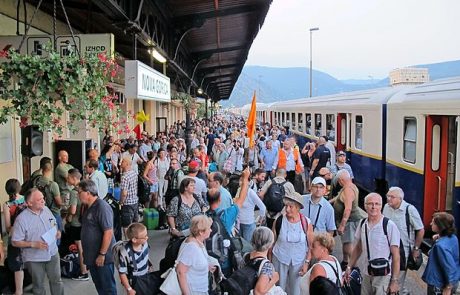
[(81, 277)]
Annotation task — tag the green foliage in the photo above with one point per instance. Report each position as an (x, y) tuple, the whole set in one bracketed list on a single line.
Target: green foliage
[(43, 90), (187, 100)]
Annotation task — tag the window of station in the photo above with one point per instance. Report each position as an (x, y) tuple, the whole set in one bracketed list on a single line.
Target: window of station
[(330, 127), (308, 122), (359, 132), (288, 120), (293, 121), (318, 125), (282, 119), (300, 122), (410, 139)]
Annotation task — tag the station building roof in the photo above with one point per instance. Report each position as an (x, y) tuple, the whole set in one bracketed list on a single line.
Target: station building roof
[(205, 41)]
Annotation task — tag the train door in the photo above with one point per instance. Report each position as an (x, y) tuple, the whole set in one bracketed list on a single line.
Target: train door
[(440, 153), (341, 132)]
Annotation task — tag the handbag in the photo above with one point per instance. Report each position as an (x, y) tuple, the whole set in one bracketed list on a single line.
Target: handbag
[(411, 263), (170, 285), (228, 164), (379, 266)]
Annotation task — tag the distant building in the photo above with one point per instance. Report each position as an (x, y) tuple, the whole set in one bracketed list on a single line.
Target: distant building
[(409, 76)]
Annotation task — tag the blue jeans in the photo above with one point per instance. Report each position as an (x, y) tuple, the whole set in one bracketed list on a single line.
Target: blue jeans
[(247, 230), (103, 279)]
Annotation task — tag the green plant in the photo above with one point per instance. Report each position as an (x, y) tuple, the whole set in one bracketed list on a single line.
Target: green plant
[(187, 100), (54, 92)]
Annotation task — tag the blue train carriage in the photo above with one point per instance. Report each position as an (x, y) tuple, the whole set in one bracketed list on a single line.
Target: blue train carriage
[(422, 151), (354, 122)]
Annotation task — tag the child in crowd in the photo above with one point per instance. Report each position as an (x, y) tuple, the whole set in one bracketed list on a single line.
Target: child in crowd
[(134, 265)]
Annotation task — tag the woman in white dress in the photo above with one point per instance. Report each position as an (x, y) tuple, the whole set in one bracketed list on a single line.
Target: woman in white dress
[(162, 165)]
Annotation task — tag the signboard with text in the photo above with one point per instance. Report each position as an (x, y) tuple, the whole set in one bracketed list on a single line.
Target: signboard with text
[(87, 44), (143, 82)]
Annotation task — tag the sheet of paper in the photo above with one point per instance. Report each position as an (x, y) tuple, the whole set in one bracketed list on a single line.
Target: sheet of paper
[(50, 236)]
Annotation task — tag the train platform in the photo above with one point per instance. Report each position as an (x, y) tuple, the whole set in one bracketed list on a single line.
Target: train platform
[(158, 240)]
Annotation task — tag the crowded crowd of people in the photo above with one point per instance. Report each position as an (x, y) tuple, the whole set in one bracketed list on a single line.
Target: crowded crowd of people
[(283, 203)]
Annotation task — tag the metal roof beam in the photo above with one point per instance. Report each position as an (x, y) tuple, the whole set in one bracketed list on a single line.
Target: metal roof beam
[(218, 13), (218, 50)]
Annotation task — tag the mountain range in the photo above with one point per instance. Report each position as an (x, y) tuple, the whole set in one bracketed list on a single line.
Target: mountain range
[(276, 84)]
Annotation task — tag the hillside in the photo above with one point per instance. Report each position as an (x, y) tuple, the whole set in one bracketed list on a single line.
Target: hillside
[(275, 84)]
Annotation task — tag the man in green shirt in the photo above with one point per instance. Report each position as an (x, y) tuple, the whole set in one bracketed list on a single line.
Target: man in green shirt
[(51, 194), (60, 176)]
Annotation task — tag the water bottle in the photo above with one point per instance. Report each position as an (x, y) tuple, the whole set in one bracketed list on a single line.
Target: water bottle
[(226, 245)]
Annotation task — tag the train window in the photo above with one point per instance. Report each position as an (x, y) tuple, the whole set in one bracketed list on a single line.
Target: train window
[(293, 121), (436, 148), (410, 139), (318, 125), (330, 127), (308, 122), (359, 132), (300, 122)]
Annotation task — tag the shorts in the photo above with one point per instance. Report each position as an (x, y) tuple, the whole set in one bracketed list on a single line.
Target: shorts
[(75, 233), (349, 233), (154, 188), (14, 258), (129, 214)]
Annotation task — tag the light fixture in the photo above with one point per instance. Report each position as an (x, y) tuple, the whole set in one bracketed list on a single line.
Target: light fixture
[(156, 55), (200, 91)]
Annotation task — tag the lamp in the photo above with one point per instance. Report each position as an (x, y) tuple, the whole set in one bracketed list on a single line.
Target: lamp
[(200, 91), (156, 55)]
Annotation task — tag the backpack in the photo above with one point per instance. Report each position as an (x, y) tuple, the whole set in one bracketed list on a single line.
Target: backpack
[(242, 281), (29, 184), (70, 265), (171, 253), (215, 242), (143, 189), (402, 254), (45, 189), (339, 289), (18, 208), (273, 199)]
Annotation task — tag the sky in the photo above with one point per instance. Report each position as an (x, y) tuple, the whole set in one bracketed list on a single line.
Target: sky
[(358, 39)]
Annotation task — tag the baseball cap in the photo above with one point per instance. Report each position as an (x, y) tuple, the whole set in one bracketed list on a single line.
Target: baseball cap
[(193, 165), (340, 153), (319, 180)]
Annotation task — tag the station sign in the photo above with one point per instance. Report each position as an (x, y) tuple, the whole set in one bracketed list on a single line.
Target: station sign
[(143, 82), (87, 44)]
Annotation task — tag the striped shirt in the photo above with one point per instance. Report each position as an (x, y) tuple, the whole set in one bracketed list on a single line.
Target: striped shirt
[(129, 184), (141, 259)]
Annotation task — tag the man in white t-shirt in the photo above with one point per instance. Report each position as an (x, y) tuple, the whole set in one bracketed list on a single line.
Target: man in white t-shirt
[(134, 156), (372, 243)]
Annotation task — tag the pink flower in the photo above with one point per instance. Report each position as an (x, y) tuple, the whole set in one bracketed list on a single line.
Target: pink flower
[(23, 123)]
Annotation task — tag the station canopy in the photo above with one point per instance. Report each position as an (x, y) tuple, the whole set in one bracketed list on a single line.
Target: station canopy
[(205, 42)]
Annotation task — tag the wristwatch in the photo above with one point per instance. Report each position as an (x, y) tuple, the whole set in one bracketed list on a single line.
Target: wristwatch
[(416, 248), (102, 254)]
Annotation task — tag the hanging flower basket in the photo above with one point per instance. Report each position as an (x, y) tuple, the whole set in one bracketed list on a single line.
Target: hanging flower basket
[(186, 99), (46, 90)]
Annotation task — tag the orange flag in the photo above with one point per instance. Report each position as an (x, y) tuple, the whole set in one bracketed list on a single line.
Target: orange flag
[(252, 121)]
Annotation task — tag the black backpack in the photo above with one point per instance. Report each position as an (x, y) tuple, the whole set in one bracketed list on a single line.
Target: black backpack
[(171, 253), (273, 199), (215, 242), (143, 189), (242, 281), (29, 184)]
